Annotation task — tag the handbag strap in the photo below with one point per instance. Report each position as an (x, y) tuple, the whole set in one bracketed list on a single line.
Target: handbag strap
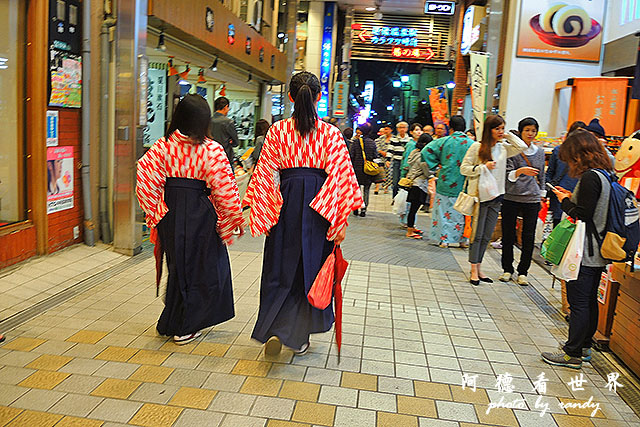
[(364, 156), (526, 159)]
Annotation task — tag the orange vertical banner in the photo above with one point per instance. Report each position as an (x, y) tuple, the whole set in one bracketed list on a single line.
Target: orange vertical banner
[(603, 98)]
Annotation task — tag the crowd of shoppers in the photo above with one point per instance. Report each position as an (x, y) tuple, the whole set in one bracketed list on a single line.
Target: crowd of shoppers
[(306, 181)]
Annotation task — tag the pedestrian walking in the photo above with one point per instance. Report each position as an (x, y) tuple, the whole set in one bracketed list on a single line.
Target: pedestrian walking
[(415, 130), (488, 157), (447, 225), (301, 195), (557, 175), (189, 194), (363, 149), (262, 126), (589, 203), (396, 153), (223, 129), (418, 175), (382, 144), (525, 188)]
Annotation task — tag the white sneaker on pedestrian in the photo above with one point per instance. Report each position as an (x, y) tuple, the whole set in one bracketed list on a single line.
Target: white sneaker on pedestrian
[(522, 280), (505, 277)]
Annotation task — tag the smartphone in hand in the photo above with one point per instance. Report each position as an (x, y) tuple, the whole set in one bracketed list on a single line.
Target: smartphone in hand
[(551, 187)]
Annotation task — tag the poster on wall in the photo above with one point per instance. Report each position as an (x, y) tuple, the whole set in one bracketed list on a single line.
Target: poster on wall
[(242, 112), (601, 98), (52, 128), (156, 100), (479, 71), (439, 105), (59, 179), (570, 30), (66, 79)]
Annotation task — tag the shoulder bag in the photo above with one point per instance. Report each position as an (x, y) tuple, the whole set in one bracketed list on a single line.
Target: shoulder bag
[(370, 167), (465, 202)]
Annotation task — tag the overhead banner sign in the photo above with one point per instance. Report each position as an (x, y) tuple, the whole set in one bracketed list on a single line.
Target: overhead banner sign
[(569, 31), (479, 88), (602, 98), (326, 53), (59, 179), (340, 94), (400, 38)]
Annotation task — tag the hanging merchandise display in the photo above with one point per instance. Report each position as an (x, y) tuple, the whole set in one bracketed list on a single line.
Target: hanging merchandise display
[(242, 112), (479, 88)]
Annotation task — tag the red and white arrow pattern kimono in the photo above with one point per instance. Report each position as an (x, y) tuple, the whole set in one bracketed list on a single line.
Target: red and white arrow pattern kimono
[(284, 148), (178, 157)]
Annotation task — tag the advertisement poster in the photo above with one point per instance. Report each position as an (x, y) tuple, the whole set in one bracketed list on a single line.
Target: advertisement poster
[(242, 112), (439, 105), (570, 30), (603, 98), (479, 71), (52, 128), (156, 100), (59, 179), (66, 80)]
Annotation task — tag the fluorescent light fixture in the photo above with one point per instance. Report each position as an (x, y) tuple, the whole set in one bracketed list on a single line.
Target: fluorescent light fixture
[(183, 82), (397, 83), (404, 79), (389, 107), (370, 8)]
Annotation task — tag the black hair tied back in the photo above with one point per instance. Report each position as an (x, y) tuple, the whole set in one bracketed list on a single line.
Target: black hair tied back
[(304, 89)]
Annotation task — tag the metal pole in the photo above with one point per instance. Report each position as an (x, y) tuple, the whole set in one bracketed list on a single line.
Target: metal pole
[(496, 9), (89, 237), (290, 50)]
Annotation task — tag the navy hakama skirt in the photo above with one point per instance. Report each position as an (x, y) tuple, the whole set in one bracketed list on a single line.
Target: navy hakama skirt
[(199, 292), (294, 252)]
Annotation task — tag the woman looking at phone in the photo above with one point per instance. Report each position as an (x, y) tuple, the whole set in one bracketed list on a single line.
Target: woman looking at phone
[(524, 189)]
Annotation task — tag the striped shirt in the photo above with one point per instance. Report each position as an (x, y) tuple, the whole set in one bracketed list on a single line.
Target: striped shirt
[(178, 157), (396, 147), (284, 148)]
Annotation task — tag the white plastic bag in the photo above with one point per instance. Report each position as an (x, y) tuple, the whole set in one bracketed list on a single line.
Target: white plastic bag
[(400, 202), (569, 266), (487, 185)]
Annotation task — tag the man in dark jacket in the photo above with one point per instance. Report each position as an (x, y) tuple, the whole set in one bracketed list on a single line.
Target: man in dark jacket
[(223, 130)]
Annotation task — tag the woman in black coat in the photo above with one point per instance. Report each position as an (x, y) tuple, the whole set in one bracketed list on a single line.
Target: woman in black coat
[(362, 142)]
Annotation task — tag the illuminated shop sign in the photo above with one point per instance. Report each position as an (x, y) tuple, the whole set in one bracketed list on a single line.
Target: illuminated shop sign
[(325, 65), (439, 7), (400, 37), (394, 36), (415, 53)]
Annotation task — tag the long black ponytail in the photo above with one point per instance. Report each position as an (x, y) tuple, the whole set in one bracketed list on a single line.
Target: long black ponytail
[(304, 89)]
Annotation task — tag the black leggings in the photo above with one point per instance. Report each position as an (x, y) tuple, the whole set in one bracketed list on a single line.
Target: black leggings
[(411, 216)]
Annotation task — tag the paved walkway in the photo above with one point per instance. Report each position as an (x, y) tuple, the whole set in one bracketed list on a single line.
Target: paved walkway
[(413, 326)]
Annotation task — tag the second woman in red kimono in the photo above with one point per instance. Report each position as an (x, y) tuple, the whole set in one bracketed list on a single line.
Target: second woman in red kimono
[(301, 194), (189, 193)]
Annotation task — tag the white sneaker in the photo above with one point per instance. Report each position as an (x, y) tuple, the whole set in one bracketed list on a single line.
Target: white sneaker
[(522, 280), (505, 277)]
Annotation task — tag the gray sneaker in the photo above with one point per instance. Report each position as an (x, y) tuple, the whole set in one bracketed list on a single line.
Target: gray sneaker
[(586, 355), (562, 359)]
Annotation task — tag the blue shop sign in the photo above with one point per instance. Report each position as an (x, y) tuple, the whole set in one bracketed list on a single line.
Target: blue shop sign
[(325, 65)]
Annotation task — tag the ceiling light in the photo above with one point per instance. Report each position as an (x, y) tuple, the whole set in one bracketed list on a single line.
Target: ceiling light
[(404, 79), (370, 9), (396, 83), (214, 66), (451, 85)]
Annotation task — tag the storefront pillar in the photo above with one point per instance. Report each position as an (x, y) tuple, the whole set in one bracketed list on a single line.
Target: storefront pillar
[(131, 32), (36, 97), (496, 17)]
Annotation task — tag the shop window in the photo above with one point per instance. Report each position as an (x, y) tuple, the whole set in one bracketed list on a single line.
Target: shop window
[(12, 184)]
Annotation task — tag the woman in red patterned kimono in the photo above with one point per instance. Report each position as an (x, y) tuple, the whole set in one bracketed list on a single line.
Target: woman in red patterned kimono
[(190, 196), (300, 195)]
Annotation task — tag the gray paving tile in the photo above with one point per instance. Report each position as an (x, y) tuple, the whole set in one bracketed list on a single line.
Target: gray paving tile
[(154, 393), (194, 417), (273, 407), (338, 396), (76, 405), (240, 420), (377, 401), (456, 411), (232, 403), (119, 411), (351, 417), (38, 400)]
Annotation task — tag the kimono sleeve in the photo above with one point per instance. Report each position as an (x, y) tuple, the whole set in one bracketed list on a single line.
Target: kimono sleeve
[(151, 177), (263, 194), (224, 193), (340, 193)]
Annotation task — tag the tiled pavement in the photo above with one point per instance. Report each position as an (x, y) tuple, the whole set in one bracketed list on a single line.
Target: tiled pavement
[(410, 333)]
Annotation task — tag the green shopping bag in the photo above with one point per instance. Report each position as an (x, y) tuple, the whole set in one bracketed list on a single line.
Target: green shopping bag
[(553, 248)]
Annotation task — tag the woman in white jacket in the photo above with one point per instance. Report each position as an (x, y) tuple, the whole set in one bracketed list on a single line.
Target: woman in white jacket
[(490, 155)]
